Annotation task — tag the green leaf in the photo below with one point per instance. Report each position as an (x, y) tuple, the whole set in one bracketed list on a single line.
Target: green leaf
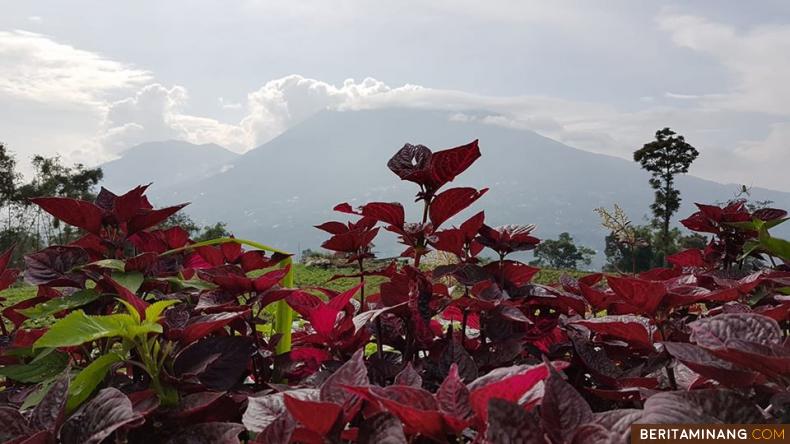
[(86, 381), (56, 305), (154, 311), (113, 264), (777, 247), (78, 328), (190, 283), (225, 240), (47, 365), (132, 311), (756, 224), (131, 281), (35, 398)]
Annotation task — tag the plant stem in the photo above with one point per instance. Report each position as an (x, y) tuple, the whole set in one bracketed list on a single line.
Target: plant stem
[(464, 321), (283, 318), (361, 281)]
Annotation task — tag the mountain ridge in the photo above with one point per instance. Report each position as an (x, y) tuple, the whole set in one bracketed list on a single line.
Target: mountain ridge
[(279, 190)]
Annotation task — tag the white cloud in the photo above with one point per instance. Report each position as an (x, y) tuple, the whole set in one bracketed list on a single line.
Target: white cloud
[(224, 104), (45, 75), (758, 59), (35, 67), (155, 112)]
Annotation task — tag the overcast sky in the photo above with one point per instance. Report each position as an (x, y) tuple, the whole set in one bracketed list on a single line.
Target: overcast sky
[(87, 79)]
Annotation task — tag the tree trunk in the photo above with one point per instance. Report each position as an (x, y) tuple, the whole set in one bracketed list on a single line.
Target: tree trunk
[(665, 228)]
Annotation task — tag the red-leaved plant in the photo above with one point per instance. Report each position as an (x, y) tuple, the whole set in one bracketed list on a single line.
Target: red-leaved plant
[(139, 334)]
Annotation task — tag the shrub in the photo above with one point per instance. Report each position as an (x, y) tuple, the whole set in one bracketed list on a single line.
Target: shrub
[(161, 339)]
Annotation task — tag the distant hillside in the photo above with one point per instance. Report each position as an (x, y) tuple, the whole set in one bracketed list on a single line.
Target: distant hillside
[(278, 191), (165, 164)]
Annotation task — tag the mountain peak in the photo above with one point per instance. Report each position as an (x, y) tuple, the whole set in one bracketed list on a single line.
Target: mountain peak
[(165, 163), (276, 193)]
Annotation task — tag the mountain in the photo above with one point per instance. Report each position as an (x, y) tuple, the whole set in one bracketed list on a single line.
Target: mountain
[(165, 164), (278, 191)]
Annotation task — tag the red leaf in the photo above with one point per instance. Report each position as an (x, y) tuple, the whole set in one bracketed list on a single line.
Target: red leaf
[(692, 257), (508, 383), (231, 251), (388, 212), (126, 206), (447, 164), (150, 218), (415, 407), (472, 225), (598, 299), (201, 326), (451, 202), (634, 330), (322, 316), (644, 295), (129, 297), (212, 255), (270, 279), (78, 213), (333, 227), (317, 416)]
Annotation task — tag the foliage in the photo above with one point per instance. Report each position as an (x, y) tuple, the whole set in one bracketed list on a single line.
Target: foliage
[(562, 253), (159, 338), (23, 224), (664, 158), (196, 232), (9, 177), (619, 256)]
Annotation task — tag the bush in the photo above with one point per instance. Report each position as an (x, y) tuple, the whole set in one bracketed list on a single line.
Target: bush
[(162, 339)]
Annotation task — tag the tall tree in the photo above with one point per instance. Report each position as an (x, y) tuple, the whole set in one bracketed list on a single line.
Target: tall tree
[(665, 157), (8, 176), (562, 253)]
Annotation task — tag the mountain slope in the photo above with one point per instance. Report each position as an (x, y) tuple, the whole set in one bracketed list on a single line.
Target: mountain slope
[(165, 164), (277, 192)]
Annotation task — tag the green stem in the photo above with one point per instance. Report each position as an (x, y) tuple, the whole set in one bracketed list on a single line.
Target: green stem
[(225, 240), (283, 317)]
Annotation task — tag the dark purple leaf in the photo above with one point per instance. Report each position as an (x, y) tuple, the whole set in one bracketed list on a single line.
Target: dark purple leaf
[(352, 373), (218, 362), (53, 266), (509, 423), (408, 376), (12, 424), (278, 431), (50, 412), (108, 411), (714, 332), (708, 365), (563, 409), (382, 428), (700, 406), (208, 433)]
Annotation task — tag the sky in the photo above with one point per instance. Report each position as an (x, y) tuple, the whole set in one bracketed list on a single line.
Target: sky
[(88, 79)]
